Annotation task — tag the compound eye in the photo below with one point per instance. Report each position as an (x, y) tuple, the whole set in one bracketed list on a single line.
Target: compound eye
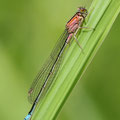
[(83, 10)]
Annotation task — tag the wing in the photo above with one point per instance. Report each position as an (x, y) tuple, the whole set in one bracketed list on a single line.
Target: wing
[(45, 70)]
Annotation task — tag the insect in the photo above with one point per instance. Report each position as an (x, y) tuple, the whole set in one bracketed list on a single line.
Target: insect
[(47, 73)]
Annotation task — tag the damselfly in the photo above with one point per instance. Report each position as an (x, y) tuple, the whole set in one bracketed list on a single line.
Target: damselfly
[(47, 73)]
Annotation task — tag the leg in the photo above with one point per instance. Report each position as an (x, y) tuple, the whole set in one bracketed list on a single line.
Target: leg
[(88, 28), (74, 35), (82, 28), (78, 43)]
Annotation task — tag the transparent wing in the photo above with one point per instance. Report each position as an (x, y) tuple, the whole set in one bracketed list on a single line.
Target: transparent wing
[(45, 70)]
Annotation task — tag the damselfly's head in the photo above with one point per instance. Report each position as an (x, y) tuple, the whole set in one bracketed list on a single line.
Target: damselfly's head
[(82, 11)]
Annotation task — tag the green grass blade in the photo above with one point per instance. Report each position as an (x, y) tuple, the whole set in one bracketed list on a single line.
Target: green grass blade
[(104, 13)]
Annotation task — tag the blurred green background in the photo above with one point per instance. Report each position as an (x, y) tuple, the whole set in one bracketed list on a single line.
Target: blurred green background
[(28, 32)]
